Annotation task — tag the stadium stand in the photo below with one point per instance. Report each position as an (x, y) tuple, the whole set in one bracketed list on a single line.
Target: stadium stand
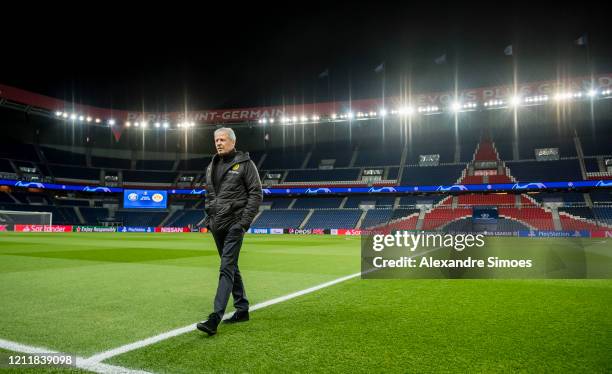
[(111, 163), (333, 219), (280, 218)]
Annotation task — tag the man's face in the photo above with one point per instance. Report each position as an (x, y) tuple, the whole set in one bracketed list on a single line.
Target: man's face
[(223, 143)]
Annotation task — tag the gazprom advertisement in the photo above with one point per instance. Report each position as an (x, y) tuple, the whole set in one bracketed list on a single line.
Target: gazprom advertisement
[(145, 199)]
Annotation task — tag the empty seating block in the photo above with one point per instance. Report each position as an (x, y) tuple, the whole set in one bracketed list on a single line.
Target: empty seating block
[(333, 219), (5, 166), (566, 197), (486, 152), (591, 165), (498, 179), (393, 173), (184, 218), (25, 152), (373, 156), (432, 175), (472, 179), (318, 203), (341, 154), (57, 156), (93, 216), (603, 214), (597, 145), (379, 201), (402, 213), (534, 216), (70, 172), (601, 196), (486, 199), (414, 200), (111, 163), (140, 218), (154, 164), (438, 217), (279, 159), (375, 217), (543, 171), (284, 219), (148, 176), (279, 203), (5, 198), (322, 175), (196, 164)]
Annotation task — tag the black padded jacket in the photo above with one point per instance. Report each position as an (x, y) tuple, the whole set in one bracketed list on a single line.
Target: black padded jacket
[(238, 196)]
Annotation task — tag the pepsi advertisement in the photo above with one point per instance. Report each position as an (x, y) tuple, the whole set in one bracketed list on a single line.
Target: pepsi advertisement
[(145, 199)]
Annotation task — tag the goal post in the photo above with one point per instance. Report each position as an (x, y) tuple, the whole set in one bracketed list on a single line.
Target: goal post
[(12, 217)]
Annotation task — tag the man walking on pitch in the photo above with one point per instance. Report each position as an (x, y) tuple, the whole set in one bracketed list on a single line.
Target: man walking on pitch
[(232, 201)]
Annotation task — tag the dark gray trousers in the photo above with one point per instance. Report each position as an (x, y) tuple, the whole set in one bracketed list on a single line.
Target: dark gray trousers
[(228, 244)]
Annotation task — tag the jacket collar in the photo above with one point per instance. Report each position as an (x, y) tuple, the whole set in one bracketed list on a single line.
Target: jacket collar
[(240, 157)]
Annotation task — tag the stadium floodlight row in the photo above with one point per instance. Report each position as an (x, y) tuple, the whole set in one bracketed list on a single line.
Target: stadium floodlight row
[(454, 107), (403, 111), (511, 96)]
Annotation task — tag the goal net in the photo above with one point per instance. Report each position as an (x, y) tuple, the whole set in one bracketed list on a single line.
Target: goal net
[(9, 217)]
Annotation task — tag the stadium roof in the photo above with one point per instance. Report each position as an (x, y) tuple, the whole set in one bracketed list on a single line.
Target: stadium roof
[(254, 56)]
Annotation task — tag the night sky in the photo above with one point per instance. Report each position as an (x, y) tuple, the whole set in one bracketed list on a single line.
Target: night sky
[(240, 56)]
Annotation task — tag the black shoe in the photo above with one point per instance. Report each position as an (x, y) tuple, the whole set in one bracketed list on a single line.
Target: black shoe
[(210, 325), (239, 316)]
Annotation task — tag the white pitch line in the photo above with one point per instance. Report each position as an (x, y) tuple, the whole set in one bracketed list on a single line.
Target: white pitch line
[(94, 363), (81, 362), (191, 327)]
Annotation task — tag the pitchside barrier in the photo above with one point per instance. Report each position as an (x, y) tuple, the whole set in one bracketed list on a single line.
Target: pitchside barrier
[(278, 231), (321, 189)]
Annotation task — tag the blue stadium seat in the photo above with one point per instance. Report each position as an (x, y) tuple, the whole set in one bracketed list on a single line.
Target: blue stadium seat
[(111, 163), (15, 151), (380, 201), (432, 175), (280, 219), (372, 155), (57, 156), (566, 197), (322, 175), (603, 214), (601, 196), (284, 159), (140, 218), (5, 166), (333, 219), (279, 202), (584, 212), (376, 217), (71, 172), (393, 173), (544, 171), (154, 164), (342, 153), (318, 203), (93, 216), (184, 218), (403, 212), (149, 176), (196, 164), (591, 165)]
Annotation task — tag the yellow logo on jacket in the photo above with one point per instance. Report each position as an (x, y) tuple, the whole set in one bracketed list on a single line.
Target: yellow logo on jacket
[(236, 167)]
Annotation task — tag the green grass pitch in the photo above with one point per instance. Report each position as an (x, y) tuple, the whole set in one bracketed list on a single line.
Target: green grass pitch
[(86, 293)]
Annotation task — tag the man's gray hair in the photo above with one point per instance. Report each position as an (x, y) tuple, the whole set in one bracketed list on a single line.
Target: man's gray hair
[(230, 133)]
